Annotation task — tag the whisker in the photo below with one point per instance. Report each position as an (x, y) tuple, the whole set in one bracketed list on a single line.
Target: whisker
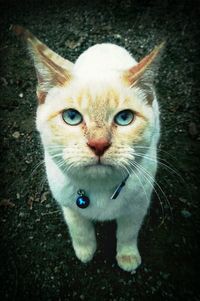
[(160, 163), (139, 182), (36, 167), (157, 185), (151, 181), (157, 149)]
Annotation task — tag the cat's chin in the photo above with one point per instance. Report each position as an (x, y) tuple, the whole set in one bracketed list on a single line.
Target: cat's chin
[(99, 169), (94, 170), (99, 165)]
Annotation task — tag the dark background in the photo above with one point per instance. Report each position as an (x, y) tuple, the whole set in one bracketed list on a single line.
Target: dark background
[(37, 259)]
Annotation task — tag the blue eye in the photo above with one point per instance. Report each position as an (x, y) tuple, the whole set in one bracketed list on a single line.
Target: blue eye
[(124, 117), (72, 117)]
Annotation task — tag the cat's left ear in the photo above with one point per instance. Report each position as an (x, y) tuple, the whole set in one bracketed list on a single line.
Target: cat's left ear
[(142, 74), (51, 69)]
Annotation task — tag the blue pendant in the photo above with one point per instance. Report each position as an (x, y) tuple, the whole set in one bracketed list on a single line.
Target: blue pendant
[(82, 201)]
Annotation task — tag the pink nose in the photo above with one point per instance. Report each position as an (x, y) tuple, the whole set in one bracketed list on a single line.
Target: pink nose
[(98, 146)]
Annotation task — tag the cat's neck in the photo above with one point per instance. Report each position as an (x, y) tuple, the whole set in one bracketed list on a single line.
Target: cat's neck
[(84, 178)]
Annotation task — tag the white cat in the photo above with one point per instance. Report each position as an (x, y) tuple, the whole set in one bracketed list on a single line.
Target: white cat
[(99, 124)]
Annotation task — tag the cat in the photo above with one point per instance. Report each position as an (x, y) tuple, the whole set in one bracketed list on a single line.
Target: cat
[(99, 124)]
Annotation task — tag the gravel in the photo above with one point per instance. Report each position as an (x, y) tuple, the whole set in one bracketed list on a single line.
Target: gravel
[(37, 259)]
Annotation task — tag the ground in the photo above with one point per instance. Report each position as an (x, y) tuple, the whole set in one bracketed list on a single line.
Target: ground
[(37, 259)]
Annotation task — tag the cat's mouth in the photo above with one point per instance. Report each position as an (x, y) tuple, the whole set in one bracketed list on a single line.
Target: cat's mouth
[(99, 163)]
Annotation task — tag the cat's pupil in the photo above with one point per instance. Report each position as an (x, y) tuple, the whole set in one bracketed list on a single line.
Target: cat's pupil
[(72, 117), (72, 114), (124, 115)]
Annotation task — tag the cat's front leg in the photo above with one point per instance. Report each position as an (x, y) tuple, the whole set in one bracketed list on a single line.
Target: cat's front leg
[(128, 256), (82, 234)]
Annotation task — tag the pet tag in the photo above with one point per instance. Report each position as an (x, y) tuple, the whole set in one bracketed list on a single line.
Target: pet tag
[(82, 201)]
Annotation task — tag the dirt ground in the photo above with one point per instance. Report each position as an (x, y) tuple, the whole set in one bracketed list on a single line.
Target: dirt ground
[(37, 259)]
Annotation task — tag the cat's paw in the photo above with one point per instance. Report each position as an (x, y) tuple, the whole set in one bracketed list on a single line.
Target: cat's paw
[(128, 262), (85, 253)]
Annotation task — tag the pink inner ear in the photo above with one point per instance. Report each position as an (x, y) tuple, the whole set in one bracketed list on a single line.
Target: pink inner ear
[(136, 71), (57, 76), (52, 70), (41, 97)]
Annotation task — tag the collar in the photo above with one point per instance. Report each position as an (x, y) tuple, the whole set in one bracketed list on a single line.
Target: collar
[(83, 200)]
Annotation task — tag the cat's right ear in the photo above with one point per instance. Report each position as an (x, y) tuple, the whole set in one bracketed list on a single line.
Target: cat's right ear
[(142, 74), (51, 69)]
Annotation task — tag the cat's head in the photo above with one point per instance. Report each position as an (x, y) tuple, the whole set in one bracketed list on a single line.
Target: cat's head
[(93, 117)]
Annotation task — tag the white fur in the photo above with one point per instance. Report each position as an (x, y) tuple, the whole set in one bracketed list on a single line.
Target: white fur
[(97, 67)]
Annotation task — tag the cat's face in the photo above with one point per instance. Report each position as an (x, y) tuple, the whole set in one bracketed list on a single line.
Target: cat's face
[(74, 119), (89, 121)]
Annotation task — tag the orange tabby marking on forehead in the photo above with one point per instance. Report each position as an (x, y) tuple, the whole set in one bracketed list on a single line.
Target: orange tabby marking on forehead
[(84, 99), (87, 98), (112, 97)]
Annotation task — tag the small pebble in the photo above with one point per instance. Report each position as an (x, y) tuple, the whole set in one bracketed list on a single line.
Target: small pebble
[(182, 200), (16, 135), (193, 131), (21, 214), (185, 213)]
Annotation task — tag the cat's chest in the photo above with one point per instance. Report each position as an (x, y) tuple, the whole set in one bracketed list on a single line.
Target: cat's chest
[(98, 194), (132, 197), (101, 206)]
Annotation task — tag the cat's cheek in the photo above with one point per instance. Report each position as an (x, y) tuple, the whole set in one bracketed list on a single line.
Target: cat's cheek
[(84, 128), (132, 133)]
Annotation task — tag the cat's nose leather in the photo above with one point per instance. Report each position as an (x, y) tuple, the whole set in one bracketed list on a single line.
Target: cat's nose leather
[(99, 146)]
